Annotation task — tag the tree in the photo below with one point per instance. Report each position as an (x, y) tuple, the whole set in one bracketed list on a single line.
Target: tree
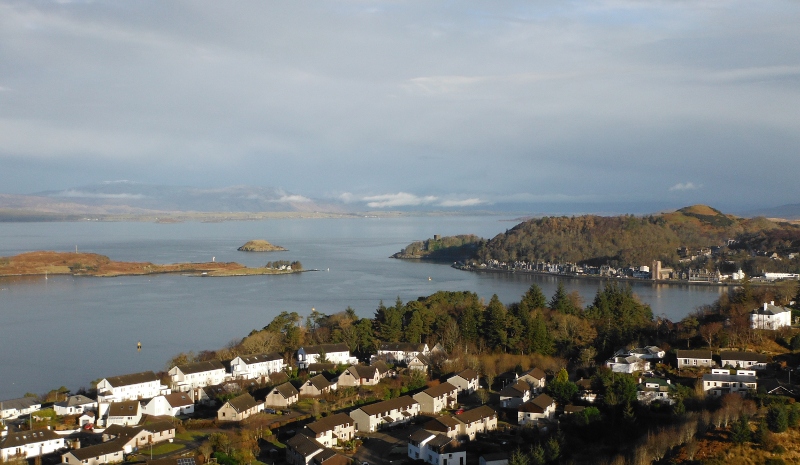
[(561, 388), (561, 302), (519, 458), (740, 430), (777, 418), (710, 330), (552, 450), (533, 299), (494, 325)]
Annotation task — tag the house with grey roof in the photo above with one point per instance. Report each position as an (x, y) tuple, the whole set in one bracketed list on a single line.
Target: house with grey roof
[(437, 398), (27, 444), (12, 409), (316, 386), (332, 353), (135, 386), (542, 407), (106, 452), (465, 381), (195, 375), (173, 405), (723, 381), (239, 408), (401, 352), (74, 405), (255, 366), (771, 316), (400, 410), (651, 389), (515, 394), (283, 395), (359, 375), (333, 429), (694, 358), (746, 360), (536, 379), (435, 449), (128, 412)]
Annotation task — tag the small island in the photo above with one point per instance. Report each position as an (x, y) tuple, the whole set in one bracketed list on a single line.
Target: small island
[(260, 245), (91, 264)]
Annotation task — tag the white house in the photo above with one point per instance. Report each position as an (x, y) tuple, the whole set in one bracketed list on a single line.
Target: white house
[(195, 375), (333, 430), (542, 407), (515, 394), (13, 408), (435, 449), (478, 420), (536, 379), (333, 353), (74, 405), (651, 389), (27, 444), (106, 452), (465, 381), (173, 405), (145, 385), (369, 418), (256, 365), (627, 364), (694, 358), (437, 398), (770, 316), (401, 352), (746, 360), (302, 450), (128, 412), (721, 382)]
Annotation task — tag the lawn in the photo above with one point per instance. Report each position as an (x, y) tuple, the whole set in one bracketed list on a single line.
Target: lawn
[(191, 435), (165, 448)]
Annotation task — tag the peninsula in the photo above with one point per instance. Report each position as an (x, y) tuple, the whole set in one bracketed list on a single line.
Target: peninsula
[(91, 264), (260, 245)]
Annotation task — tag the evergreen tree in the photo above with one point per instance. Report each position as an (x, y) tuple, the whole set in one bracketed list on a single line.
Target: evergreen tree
[(561, 302), (561, 388), (777, 418), (494, 325), (532, 299), (740, 430), (541, 341)]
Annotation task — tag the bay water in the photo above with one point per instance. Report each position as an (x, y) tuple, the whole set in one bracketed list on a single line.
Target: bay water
[(68, 331)]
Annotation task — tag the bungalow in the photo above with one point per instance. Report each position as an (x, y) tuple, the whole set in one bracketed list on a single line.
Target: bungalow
[(650, 353), (239, 408), (283, 395), (435, 449), (478, 420), (359, 375), (514, 395), (466, 381), (134, 437), (331, 353), (770, 316), (694, 358), (106, 452), (651, 389), (128, 412), (437, 398), (316, 386), (746, 360), (27, 444), (74, 405), (333, 430), (399, 410), (145, 385), (255, 366), (535, 378), (401, 352), (627, 364), (197, 375), (173, 405), (542, 407), (721, 382), (14, 408)]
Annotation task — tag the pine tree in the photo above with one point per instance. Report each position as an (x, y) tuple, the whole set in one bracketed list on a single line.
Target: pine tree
[(532, 299)]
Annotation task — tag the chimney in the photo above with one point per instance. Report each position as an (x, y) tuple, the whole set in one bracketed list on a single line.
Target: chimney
[(669, 382), (772, 302), (765, 305)]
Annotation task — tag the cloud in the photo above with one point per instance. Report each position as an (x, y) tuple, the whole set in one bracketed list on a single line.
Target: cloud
[(461, 203), (72, 193), (686, 186), (401, 199), (292, 199)]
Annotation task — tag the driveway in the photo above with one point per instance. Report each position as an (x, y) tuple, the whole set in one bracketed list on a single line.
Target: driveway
[(377, 447)]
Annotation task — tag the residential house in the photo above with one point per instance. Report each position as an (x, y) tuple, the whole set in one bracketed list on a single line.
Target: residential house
[(649, 353), (27, 444), (359, 375), (331, 353), (585, 391), (209, 394), (369, 418), (536, 379), (135, 386), (627, 364), (514, 395), (435, 449), (437, 398), (283, 396), (651, 389), (239, 408), (770, 316), (135, 437), (466, 381), (255, 366), (444, 424), (477, 420), (74, 405), (128, 412), (173, 405), (746, 360), (87, 418), (721, 381), (419, 362), (316, 386), (694, 358), (318, 368), (104, 453), (507, 378), (195, 375), (300, 449), (401, 352), (333, 430), (14, 408), (278, 377), (542, 407)]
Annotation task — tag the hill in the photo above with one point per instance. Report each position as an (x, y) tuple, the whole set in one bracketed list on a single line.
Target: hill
[(631, 241), (448, 249)]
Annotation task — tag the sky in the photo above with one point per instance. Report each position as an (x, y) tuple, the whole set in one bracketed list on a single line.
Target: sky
[(408, 103)]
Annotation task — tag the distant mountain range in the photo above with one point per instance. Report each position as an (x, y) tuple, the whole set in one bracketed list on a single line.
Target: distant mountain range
[(135, 198)]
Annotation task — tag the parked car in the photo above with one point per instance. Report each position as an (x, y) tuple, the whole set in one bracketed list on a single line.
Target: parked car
[(269, 410)]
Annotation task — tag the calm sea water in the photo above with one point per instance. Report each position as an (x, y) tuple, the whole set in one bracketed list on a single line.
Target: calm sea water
[(69, 331)]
